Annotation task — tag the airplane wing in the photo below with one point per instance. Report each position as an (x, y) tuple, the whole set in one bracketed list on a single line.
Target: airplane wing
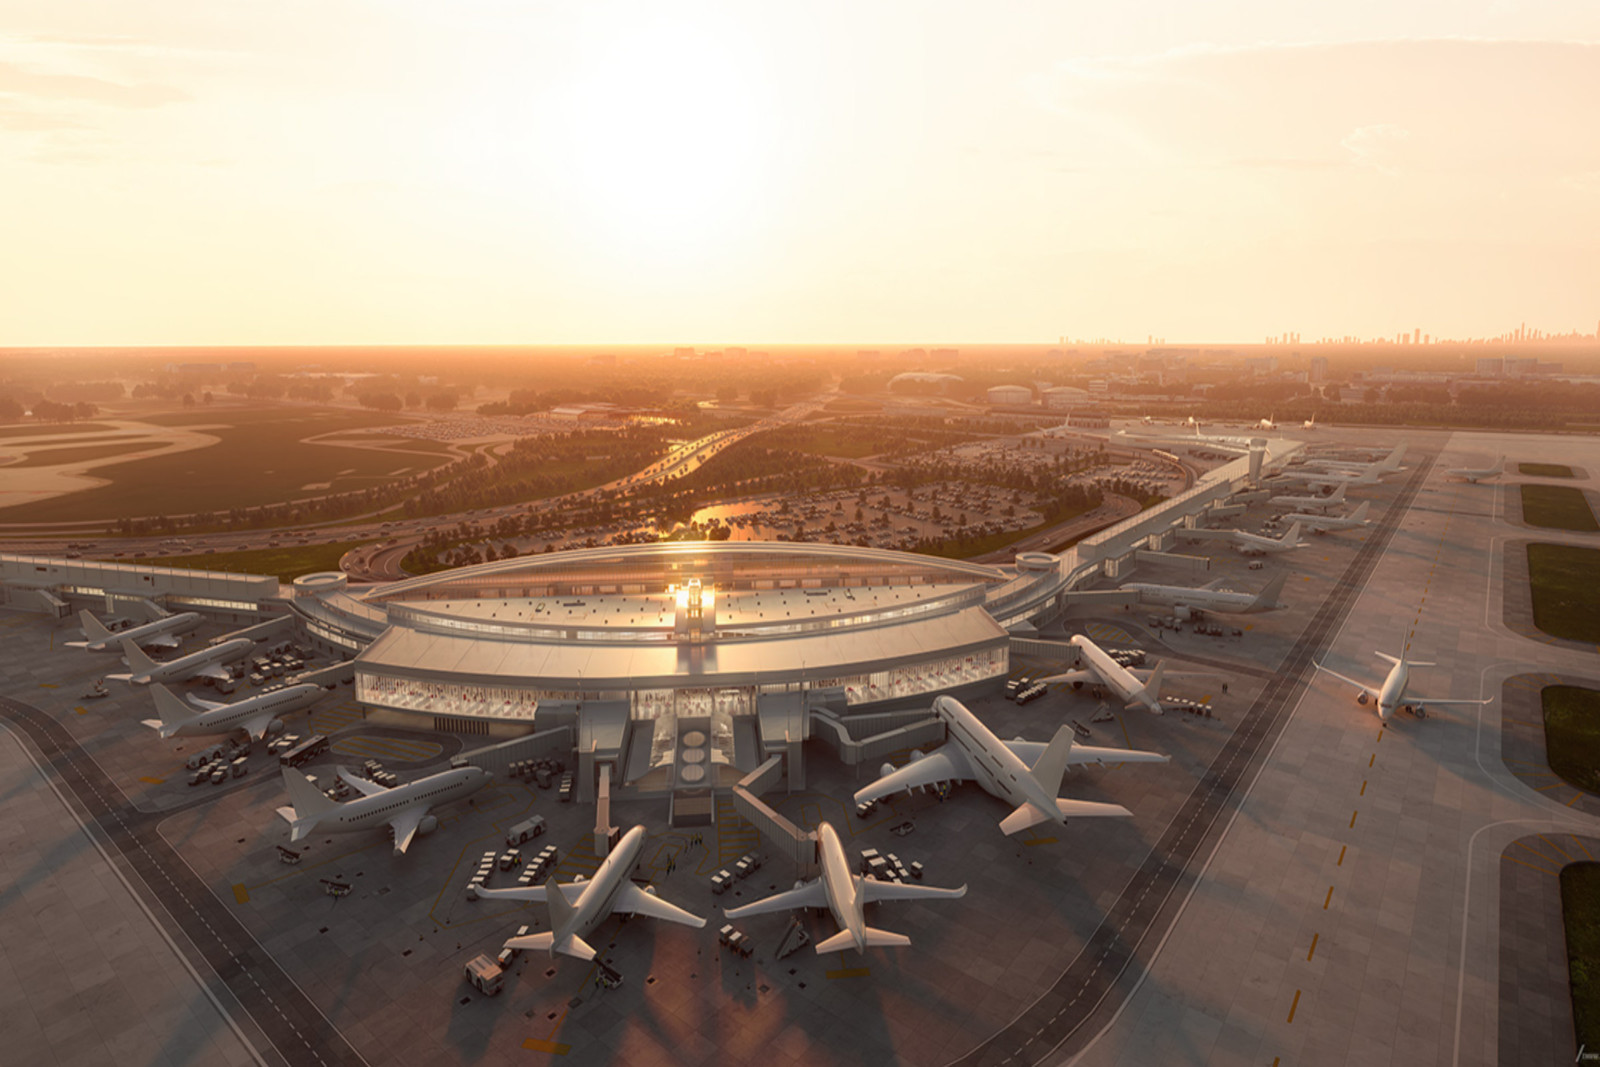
[(874, 890), (947, 764), (364, 786), (256, 725), (1363, 686), (536, 893), (1079, 675), (1030, 751), (636, 901), (164, 640), (810, 895), (405, 827), (213, 670), (1431, 703)]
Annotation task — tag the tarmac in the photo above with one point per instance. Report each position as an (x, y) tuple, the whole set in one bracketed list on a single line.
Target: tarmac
[(1297, 886)]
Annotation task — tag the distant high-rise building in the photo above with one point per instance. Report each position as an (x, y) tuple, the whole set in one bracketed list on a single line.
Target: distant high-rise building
[(1416, 336), (1319, 369)]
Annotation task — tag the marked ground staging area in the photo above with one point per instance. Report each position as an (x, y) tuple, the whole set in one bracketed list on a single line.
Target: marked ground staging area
[(1300, 884)]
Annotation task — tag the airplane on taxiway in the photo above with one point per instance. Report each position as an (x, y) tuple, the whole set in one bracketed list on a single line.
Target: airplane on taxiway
[(1475, 475), (1391, 694)]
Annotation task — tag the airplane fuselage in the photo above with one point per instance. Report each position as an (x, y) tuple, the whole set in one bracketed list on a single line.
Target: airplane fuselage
[(185, 667), (371, 812), (998, 770), (172, 624), (1112, 673), (840, 886), (1206, 599), (594, 903), (232, 717), (1392, 693)]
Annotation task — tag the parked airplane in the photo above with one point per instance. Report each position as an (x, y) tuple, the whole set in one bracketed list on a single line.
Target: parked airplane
[(1309, 424), (254, 715), (1268, 423), (206, 663), (1332, 479), (578, 907), (405, 807), (1024, 774), (1211, 597), (1329, 523), (1474, 475), (1392, 693), (1101, 669), (1315, 502), (1387, 464), (163, 631), (1249, 544), (846, 894)]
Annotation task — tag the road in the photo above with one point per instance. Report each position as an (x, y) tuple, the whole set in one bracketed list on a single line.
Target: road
[(299, 1033)]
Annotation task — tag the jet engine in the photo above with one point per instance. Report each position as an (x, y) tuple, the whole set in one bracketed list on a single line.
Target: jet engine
[(1361, 697), (428, 825), (916, 754), (275, 726), (886, 770)]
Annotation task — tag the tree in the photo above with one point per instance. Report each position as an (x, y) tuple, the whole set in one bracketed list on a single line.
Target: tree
[(445, 401), (188, 400), (205, 397)]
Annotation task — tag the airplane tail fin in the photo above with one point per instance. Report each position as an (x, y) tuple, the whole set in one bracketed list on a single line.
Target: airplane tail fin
[(1292, 535), (93, 628), (1391, 462), (1337, 496), (171, 710), (309, 804), (1360, 514), (138, 662), (1053, 762), (1499, 465), (557, 904), (1149, 694), (1267, 599)]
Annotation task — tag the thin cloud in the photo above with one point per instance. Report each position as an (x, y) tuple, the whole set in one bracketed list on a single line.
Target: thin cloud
[(20, 81)]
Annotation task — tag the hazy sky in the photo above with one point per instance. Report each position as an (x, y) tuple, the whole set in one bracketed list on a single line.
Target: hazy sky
[(341, 171)]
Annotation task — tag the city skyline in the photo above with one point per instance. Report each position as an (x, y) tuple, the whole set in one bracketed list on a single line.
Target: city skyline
[(181, 174)]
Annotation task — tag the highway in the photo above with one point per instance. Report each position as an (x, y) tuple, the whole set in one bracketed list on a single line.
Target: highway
[(299, 1032), (1087, 995)]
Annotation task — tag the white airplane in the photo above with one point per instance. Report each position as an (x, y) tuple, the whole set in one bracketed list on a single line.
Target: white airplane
[(1315, 502), (1212, 597), (405, 807), (163, 631), (1392, 693), (1474, 475), (256, 716), (1329, 523), (1103, 670), (1268, 423), (578, 907), (1309, 424), (846, 894), (1024, 774), (1249, 544), (1220, 442), (1388, 464), (206, 663), (1332, 479)]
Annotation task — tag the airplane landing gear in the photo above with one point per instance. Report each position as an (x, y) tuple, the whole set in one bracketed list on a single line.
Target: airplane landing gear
[(1419, 711)]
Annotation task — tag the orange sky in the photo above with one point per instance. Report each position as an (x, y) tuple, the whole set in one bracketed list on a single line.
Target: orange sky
[(333, 171)]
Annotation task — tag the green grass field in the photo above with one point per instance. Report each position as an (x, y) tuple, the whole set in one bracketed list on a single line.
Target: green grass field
[(287, 562), (259, 459), (1580, 914), (55, 456), (1545, 470), (1564, 578), (1572, 735), (1558, 507)]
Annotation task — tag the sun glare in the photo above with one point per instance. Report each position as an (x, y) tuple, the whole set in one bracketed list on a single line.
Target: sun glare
[(666, 136)]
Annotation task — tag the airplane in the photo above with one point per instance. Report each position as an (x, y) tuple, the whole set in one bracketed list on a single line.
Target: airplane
[(254, 715), (1103, 670), (1268, 423), (1475, 475), (1387, 464), (846, 894), (206, 663), (578, 907), (1024, 774), (1332, 479), (405, 807), (1309, 424), (1315, 502), (1392, 693), (162, 631), (1212, 597), (1249, 544), (1219, 442), (1330, 523)]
